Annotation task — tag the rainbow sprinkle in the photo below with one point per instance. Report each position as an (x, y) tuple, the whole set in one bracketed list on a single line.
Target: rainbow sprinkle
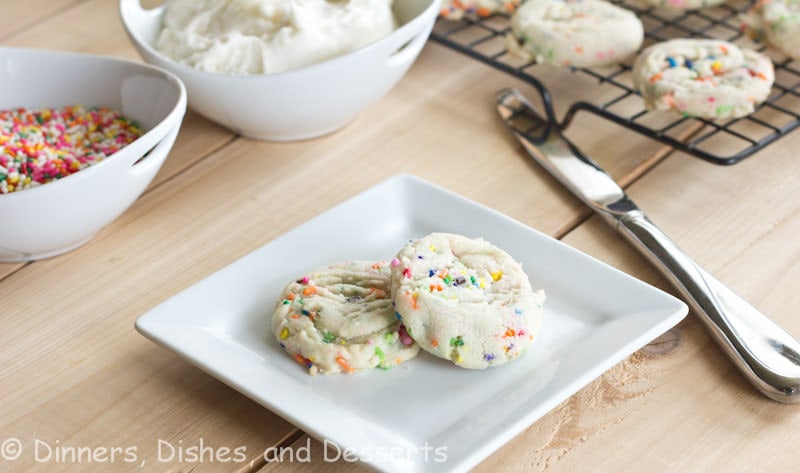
[(41, 146)]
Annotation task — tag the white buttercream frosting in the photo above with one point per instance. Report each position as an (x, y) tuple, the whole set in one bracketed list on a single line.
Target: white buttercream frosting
[(249, 37)]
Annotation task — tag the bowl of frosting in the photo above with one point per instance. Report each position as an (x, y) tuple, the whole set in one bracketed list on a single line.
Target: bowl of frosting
[(282, 69)]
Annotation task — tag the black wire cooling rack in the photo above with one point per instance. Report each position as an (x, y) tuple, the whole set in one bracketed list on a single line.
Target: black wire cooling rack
[(717, 141)]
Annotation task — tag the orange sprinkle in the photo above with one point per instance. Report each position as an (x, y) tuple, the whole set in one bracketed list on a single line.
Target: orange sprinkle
[(579, 49), (300, 359), (510, 333), (309, 291), (294, 316), (414, 303), (510, 6), (379, 293), (761, 76), (344, 364), (434, 343), (377, 265), (483, 11), (290, 296), (723, 48), (707, 79), (655, 78), (435, 287)]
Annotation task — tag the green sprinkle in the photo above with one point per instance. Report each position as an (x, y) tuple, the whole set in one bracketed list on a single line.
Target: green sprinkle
[(457, 341), (328, 337), (381, 355), (389, 338), (724, 109)]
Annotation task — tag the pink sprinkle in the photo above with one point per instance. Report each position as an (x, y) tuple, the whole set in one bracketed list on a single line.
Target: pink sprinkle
[(405, 338), (395, 263)]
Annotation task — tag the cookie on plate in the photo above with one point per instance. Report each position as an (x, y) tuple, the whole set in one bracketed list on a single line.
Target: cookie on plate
[(705, 78), (456, 9), (576, 33), (777, 22), (465, 300), (340, 318)]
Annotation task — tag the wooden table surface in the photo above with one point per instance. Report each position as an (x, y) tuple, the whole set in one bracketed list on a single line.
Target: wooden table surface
[(74, 372)]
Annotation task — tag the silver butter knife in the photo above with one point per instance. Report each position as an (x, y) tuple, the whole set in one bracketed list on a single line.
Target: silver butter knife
[(767, 355)]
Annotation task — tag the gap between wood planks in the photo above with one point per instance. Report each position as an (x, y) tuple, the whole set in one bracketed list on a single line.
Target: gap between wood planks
[(22, 27), (16, 268), (259, 462)]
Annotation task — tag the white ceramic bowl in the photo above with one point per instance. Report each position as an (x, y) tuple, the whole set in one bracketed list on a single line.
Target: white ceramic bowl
[(60, 215), (295, 104)]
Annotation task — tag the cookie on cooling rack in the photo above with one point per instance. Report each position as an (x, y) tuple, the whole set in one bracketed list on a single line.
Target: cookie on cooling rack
[(340, 318), (777, 22), (576, 33), (456, 9), (465, 300), (704, 78)]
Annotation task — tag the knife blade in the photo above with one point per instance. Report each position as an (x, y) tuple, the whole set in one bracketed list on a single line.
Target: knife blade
[(766, 354)]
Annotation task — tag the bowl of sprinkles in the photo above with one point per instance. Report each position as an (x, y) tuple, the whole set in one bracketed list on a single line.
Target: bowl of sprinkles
[(42, 145), (78, 151)]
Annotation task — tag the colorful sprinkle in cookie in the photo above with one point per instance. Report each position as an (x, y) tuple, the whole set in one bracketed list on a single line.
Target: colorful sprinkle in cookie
[(777, 22), (456, 9), (465, 300), (576, 33), (704, 78), (340, 319), (43, 145)]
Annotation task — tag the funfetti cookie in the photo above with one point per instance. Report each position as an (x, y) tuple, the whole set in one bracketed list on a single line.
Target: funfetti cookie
[(456, 9), (574, 33), (777, 22), (465, 300), (340, 318), (704, 78)]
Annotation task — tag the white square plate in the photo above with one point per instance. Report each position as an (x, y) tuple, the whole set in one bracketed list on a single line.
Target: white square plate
[(426, 415)]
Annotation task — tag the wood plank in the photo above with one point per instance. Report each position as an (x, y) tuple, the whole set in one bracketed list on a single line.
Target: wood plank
[(62, 341)]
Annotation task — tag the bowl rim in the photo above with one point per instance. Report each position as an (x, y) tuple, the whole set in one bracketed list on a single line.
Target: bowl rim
[(156, 133), (429, 13)]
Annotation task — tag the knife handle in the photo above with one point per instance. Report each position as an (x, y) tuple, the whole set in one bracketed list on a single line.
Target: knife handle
[(767, 355)]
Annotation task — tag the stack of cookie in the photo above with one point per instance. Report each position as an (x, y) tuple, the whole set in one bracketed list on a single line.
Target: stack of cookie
[(460, 299)]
